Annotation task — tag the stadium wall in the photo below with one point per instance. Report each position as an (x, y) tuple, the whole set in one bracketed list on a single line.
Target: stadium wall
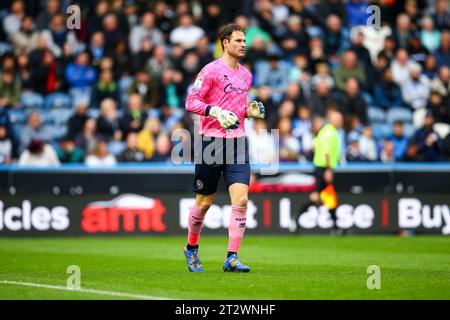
[(155, 199)]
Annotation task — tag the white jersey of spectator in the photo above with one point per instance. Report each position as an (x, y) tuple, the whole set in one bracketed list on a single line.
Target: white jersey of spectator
[(95, 161), (416, 93), (368, 148), (57, 50), (48, 157), (11, 24), (186, 34), (400, 72)]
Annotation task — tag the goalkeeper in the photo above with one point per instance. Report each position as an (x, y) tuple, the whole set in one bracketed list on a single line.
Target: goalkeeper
[(219, 96), (327, 151)]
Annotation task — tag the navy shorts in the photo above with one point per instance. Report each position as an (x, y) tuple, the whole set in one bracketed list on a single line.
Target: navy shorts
[(221, 156)]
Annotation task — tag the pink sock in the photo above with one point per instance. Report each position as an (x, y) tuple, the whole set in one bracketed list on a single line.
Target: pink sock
[(195, 225), (236, 228)]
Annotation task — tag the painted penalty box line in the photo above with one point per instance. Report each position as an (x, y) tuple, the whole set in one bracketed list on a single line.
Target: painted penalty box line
[(99, 292)]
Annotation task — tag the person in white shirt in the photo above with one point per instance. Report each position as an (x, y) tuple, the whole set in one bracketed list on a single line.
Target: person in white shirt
[(146, 30), (100, 156), (401, 67), (186, 34), (39, 154), (416, 89)]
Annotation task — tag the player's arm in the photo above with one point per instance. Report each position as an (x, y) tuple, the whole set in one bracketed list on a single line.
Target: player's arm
[(195, 102)]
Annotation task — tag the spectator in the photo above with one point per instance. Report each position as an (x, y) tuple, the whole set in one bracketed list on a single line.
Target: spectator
[(441, 83), (299, 72), (24, 71), (10, 90), (357, 13), (399, 141), (213, 18), (47, 75), (134, 118), (320, 98), (68, 151), (322, 74), (12, 22), (262, 148), (301, 129), (146, 137), (45, 17), (273, 74), (295, 39), (387, 93), (439, 107), (186, 34), (352, 102), (403, 30), (5, 145), (143, 86), (429, 36), (441, 15), (335, 37), (87, 138), (158, 63), (108, 122), (58, 35), (401, 67), (131, 153), (416, 90), (77, 120), (26, 39), (289, 148), (387, 154), (428, 141), (80, 76), (34, 129), (100, 157), (97, 47), (443, 54), (349, 68), (367, 144), (105, 88), (146, 30), (111, 30), (353, 153), (162, 148), (38, 153)]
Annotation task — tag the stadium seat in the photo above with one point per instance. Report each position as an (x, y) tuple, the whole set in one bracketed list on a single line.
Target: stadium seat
[(58, 100), (116, 147), (408, 130), (376, 114), (93, 113), (58, 131), (32, 100), (443, 129), (60, 116), (399, 114), (46, 117), (419, 117), (381, 130), (17, 116)]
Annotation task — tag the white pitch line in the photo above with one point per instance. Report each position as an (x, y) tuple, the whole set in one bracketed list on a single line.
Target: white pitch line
[(100, 292)]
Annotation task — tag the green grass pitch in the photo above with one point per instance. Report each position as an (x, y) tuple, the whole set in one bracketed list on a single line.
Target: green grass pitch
[(283, 267)]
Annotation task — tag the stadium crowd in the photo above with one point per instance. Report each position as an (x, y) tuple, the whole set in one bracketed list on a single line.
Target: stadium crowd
[(114, 89)]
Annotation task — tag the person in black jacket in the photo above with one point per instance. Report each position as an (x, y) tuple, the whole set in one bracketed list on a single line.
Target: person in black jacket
[(134, 118), (352, 102)]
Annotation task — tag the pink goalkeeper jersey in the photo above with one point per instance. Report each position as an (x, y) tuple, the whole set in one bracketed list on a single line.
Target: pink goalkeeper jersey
[(218, 84)]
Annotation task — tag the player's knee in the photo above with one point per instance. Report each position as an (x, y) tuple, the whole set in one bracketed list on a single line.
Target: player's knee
[(240, 201)]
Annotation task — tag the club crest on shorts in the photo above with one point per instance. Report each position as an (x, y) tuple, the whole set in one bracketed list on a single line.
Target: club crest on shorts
[(199, 184)]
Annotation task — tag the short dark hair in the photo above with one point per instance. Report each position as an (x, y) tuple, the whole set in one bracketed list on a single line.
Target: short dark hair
[(227, 30)]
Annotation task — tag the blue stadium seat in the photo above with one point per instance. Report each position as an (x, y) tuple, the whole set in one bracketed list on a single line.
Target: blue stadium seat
[(60, 116), (58, 131), (399, 114), (116, 147), (46, 117), (32, 100), (17, 116), (93, 113), (409, 129), (58, 100), (381, 130), (376, 114)]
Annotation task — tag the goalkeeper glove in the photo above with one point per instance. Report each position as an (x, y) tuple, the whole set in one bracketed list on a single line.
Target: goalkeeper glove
[(227, 119), (256, 110)]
